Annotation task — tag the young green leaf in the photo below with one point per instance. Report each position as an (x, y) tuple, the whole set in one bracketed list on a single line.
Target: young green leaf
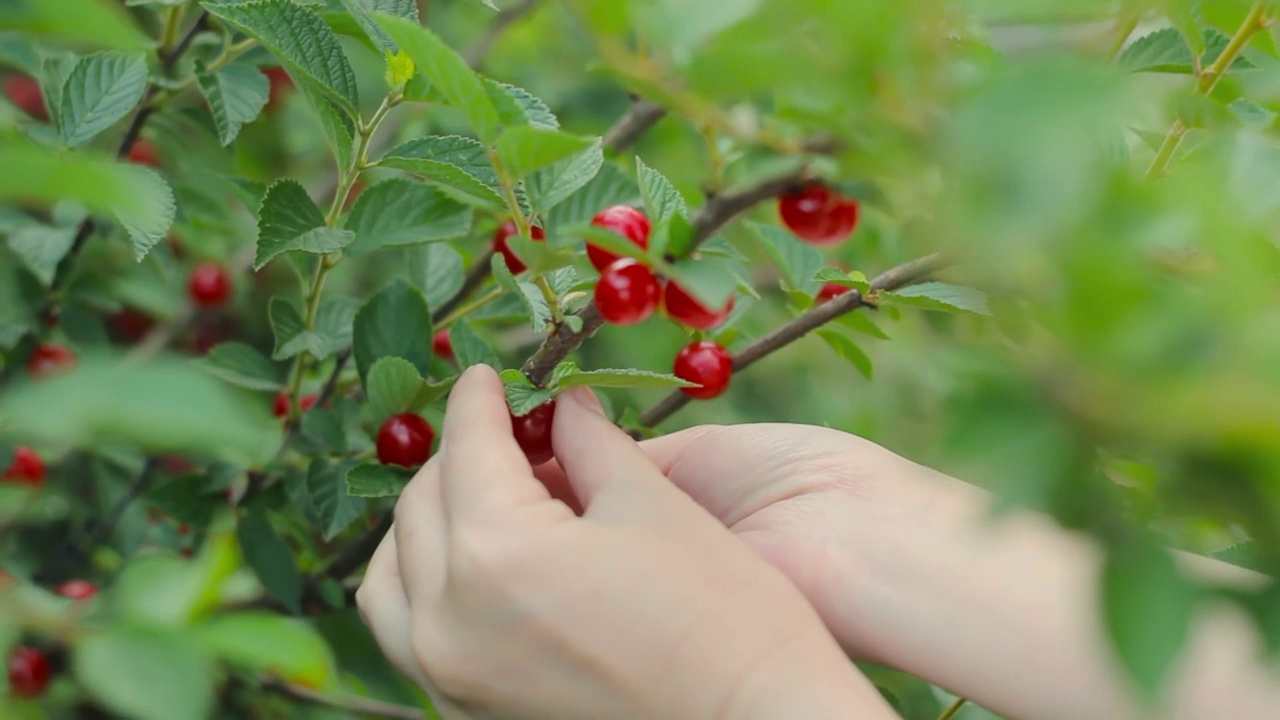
[(1148, 608), (301, 39), (327, 485), (471, 349), (145, 673), (242, 365), (524, 149), (375, 480), (458, 165), (522, 396), (848, 350), (101, 89), (397, 322), (618, 378), (552, 185), (797, 260), (1182, 13), (270, 558), (661, 199), (391, 386), (263, 642), (236, 94), (288, 220), (940, 296), (448, 71), (399, 212)]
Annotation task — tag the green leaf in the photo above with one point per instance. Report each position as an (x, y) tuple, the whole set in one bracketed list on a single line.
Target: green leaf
[(158, 406), (571, 376), (522, 396), (524, 149), (242, 365), (448, 72), (101, 89), (528, 293), (797, 260), (608, 240), (610, 186), (471, 349), (399, 212), (327, 485), (437, 271), (146, 674), (236, 94), (661, 199), (1182, 13), (517, 106), (288, 220), (848, 350), (41, 248), (712, 280), (375, 480), (91, 21), (836, 276), (539, 257), (332, 332), (431, 392), (458, 165), (336, 126), (553, 185), (391, 386), (677, 238), (1148, 608), (1242, 554), (270, 558), (362, 11), (300, 39), (1166, 51), (861, 323), (260, 642), (940, 296), (396, 322)]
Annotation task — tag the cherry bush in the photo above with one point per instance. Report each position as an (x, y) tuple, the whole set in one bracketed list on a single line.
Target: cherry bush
[(248, 245)]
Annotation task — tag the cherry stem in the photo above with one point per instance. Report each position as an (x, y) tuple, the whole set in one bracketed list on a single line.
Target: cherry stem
[(950, 712)]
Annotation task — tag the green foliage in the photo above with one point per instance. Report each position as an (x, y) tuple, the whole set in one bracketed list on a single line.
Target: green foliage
[(236, 94), (396, 322), (99, 90)]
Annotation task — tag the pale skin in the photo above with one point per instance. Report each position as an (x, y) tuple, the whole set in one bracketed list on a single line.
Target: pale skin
[(720, 572)]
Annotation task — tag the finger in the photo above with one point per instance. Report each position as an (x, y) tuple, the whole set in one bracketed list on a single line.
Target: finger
[(385, 610), (669, 451), (552, 477), (485, 469), (419, 531)]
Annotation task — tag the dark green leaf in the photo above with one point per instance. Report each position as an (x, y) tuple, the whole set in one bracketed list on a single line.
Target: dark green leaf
[(289, 220), (146, 674), (610, 186), (848, 350), (1242, 554), (270, 558), (101, 89), (940, 296), (327, 484), (1148, 609), (458, 165), (396, 322), (242, 365), (391, 386), (236, 94), (524, 149), (471, 349), (402, 212), (375, 480)]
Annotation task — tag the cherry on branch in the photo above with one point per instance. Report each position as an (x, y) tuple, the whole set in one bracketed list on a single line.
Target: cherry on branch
[(281, 86), (818, 214), (49, 359), (689, 311), (706, 363), (209, 285), (28, 672), (532, 432), (77, 589), (623, 220), (442, 345), (24, 92), (830, 291), (405, 440), (143, 152), (627, 293), (505, 232), (27, 467)]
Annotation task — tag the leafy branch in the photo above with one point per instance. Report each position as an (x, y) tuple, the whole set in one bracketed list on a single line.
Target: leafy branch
[(813, 318)]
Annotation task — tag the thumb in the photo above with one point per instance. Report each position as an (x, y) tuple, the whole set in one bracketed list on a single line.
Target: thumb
[(597, 457)]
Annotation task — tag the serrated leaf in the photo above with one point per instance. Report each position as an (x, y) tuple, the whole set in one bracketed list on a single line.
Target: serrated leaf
[(270, 558), (528, 293), (431, 392), (332, 332), (458, 165), (242, 365), (522, 396), (539, 257), (797, 260), (288, 220), (41, 248), (261, 642), (300, 39), (1166, 51), (400, 212), (236, 94), (94, 22), (836, 276), (448, 72), (940, 296), (620, 378), (677, 238), (391, 386), (609, 241), (1148, 608), (553, 185), (397, 322), (1182, 13), (523, 149), (848, 350), (517, 106), (661, 199), (437, 271), (145, 673), (471, 349), (1242, 554), (101, 89), (610, 186), (712, 280), (327, 485), (362, 11), (336, 126), (375, 480)]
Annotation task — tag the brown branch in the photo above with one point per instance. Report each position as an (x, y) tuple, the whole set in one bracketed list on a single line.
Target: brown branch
[(812, 319), (636, 121), (350, 703), (501, 22)]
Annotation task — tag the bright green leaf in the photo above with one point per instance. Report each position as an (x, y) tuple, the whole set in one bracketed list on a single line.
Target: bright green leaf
[(661, 199), (41, 248), (517, 106), (97, 22), (522, 396), (528, 293), (287, 648), (610, 186), (617, 378), (391, 386), (797, 260), (401, 212), (712, 280), (242, 365), (836, 276), (459, 166), (362, 11), (147, 674), (848, 350), (524, 149)]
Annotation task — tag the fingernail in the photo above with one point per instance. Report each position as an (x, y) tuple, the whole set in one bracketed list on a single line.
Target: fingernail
[(585, 398)]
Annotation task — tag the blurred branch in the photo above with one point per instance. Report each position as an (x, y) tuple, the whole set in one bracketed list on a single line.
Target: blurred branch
[(475, 55), (349, 703), (636, 121), (718, 211), (807, 322)]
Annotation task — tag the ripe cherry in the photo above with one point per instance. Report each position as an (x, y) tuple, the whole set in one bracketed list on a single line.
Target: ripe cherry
[(405, 439), (280, 406), (209, 285), (829, 291), (77, 589), (281, 85), (707, 364), (143, 153), (506, 231), (48, 359), (24, 92), (689, 311), (627, 293), (28, 672), (27, 467), (533, 432), (442, 345), (623, 220), (131, 325), (818, 214)]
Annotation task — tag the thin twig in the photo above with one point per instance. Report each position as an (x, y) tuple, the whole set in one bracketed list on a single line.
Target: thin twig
[(349, 703), (636, 121), (810, 320), (475, 55)]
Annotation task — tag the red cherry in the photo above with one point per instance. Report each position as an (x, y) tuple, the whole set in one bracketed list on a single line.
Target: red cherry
[(405, 439), (505, 231), (623, 220), (627, 293), (442, 345), (307, 402), (24, 92), (143, 153), (281, 85), (77, 589), (175, 464), (27, 467), (533, 432), (209, 285), (689, 311), (28, 672), (49, 358), (707, 364), (829, 291), (817, 214), (280, 406), (131, 325)]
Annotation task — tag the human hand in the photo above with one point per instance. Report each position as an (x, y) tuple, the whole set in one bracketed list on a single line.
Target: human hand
[(502, 602)]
